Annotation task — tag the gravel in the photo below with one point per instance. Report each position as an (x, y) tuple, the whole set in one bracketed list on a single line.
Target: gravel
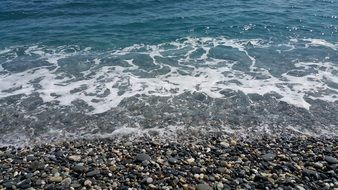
[(212, 161)]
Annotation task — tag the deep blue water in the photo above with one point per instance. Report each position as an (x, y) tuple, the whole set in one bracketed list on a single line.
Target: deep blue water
[(80, 68)]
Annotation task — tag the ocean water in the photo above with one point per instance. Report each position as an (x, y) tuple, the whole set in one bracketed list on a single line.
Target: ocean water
[(73, 69)]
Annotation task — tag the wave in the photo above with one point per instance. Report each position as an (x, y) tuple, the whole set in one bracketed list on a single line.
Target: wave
[(205, 65)]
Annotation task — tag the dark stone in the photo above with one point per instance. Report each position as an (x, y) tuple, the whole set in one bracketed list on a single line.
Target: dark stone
[(269, 156), (203, 187), (172, 160), (331, 160), (31, 158), (221, 170), (79, 168), (59, 153), (29, 175), (50, 186), (24, 184), (142, 157), (36, 165), (93, 173), (311, 173), (196, 169), (8, 185)]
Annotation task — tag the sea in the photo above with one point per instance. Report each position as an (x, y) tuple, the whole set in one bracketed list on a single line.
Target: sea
[(74, 69)]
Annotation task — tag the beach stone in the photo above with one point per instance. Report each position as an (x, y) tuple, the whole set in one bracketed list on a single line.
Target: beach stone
[(59, 153), (40, 182), (203, 187), (66, 182), (311, 173), (152, 186), (149, 180), (224, 144), (56, 179), (299, 187), (221, 170), (93, 173), (219, 186), (233, 142), (172, 160), (30, 157), (37, 165), (269, 156), (8, 184), (190, 160), (142, 157), (88, 183), (196, 169), (24, 184), (74, 158), (79, 168), (331, 160)]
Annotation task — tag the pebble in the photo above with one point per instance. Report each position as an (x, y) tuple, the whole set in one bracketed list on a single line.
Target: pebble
[(203, 187), (24, 184), (105, 164), (142, 157), (149, 180), (75, 158), (66, 182), (56, 179), (331, 160), (190, 160), (93, 173), (172, 160), (80, 168), (88, 183), (269, 156)]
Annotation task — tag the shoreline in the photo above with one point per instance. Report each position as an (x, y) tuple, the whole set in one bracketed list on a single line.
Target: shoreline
[(208, 161)]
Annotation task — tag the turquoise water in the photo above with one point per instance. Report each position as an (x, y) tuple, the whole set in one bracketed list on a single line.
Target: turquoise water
[(83, 68)]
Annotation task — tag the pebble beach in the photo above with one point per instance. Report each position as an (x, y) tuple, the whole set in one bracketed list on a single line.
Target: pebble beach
[(212, 161)]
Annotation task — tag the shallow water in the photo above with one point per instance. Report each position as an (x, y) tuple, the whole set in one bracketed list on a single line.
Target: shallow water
[(74, 69)]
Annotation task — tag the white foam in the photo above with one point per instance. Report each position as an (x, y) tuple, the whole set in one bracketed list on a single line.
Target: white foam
[(208, 78), (321, 42)]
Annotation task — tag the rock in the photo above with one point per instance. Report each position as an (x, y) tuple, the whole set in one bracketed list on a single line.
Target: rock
[(93, 173), (30, 157), (224, 144), (331, 160), (196, 169), (74, 158), (142, 157), (24, 184), (299, 187), (269, 156), (87, 183), (233, 142), (190, 160), (66, 182), (172, 160), (219, 186), (36, 165), (311, 173), (8, 185), (40, 182), (79, 168), (149, 180), (152, 186), (221, 170), (203, 187), (55, 179)]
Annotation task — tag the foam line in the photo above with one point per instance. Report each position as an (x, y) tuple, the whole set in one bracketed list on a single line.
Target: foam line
[(107, 85)]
